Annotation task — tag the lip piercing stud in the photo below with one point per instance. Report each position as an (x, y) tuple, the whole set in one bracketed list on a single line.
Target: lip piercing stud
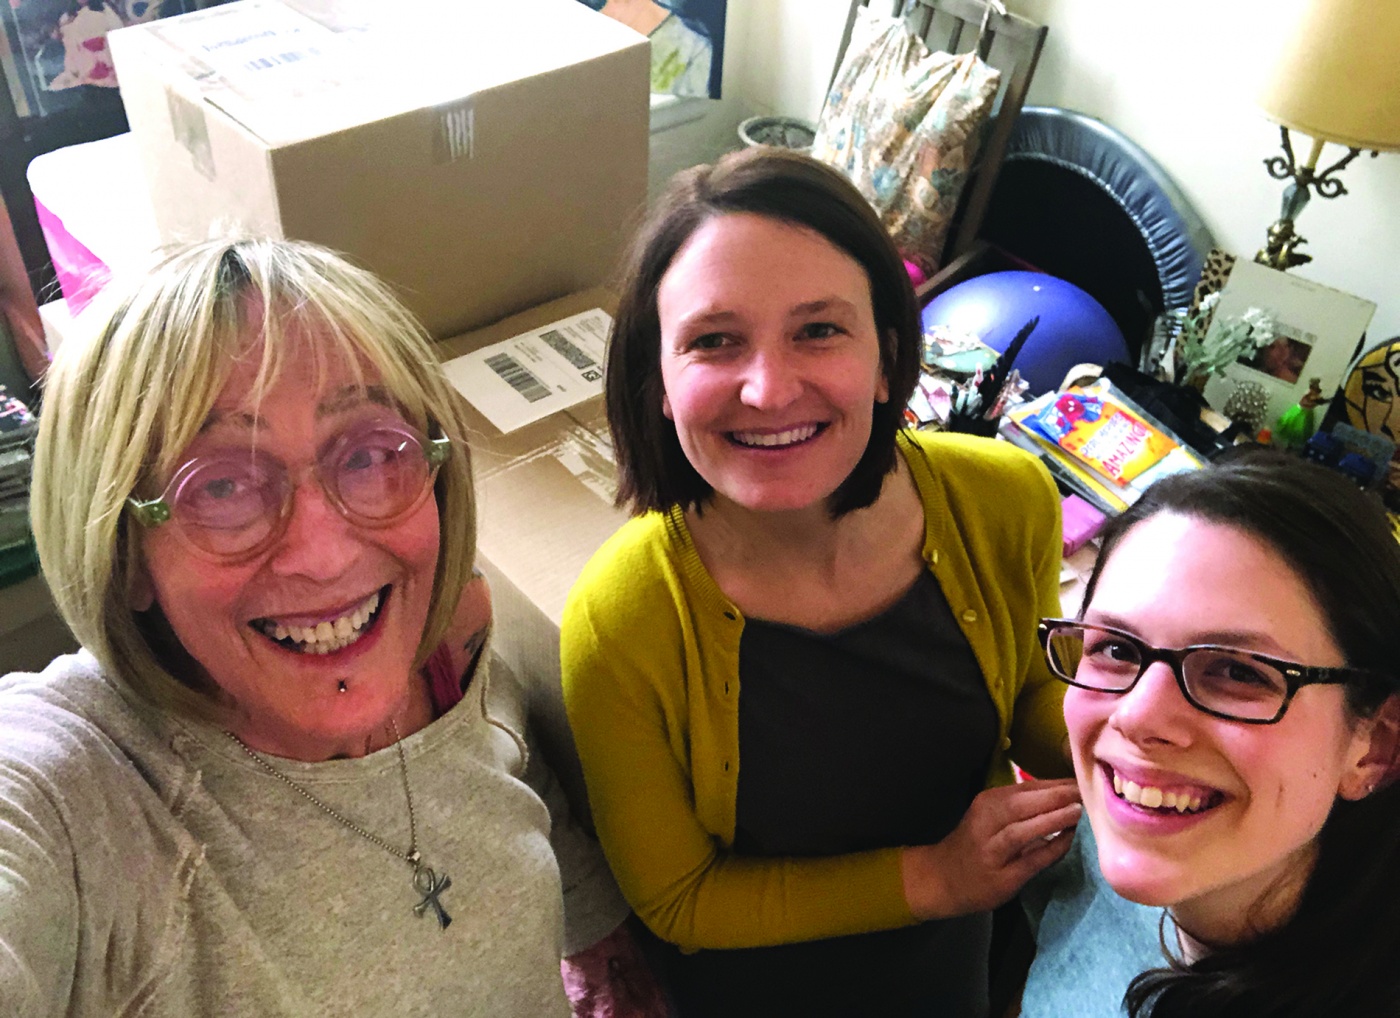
[(341, 686)]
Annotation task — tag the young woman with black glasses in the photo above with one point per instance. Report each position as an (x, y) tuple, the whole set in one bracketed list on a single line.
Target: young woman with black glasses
[(1233, 717)]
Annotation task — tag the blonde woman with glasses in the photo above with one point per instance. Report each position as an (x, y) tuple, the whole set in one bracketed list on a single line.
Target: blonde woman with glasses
[(281, 778)]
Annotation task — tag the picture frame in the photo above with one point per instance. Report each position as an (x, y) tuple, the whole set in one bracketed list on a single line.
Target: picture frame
[(56, 54), (687, 44), (1318, 331)]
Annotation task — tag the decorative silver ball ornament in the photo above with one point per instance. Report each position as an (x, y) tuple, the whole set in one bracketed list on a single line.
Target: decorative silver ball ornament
[(1248, 405)]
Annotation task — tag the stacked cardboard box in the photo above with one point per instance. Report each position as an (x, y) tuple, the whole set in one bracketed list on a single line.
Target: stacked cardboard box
[(481, 157), (544, 506)]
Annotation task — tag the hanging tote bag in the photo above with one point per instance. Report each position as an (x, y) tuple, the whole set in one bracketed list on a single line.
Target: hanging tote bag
[(904, 124)]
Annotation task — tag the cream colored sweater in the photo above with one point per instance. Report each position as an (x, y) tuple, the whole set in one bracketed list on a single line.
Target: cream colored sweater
[(148, 867)]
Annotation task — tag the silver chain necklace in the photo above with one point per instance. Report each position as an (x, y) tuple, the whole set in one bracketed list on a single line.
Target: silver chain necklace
[(425, 882)]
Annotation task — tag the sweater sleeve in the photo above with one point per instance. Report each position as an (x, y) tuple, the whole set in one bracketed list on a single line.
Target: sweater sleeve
[(1038, 722), (593, 908), (625, 687), (38, 896)]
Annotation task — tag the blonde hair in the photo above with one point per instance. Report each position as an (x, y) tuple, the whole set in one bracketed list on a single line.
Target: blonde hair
[(123, 402)]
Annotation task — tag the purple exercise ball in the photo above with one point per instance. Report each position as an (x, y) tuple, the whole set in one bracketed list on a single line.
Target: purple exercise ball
[(1074, 328)]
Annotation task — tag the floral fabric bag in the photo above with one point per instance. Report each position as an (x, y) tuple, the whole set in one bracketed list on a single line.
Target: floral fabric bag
[(905, 124)]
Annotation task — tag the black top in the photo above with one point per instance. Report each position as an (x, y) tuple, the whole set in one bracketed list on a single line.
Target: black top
[(878, 735)]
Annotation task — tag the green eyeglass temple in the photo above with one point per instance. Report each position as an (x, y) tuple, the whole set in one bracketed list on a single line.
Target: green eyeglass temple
[(154, 512), (438, 450)]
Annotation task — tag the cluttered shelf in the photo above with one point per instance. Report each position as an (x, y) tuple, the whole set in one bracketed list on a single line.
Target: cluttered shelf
[(31, 633), (1259, 358)]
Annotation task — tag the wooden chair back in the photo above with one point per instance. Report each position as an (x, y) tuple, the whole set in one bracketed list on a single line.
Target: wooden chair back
[(1008, 42)]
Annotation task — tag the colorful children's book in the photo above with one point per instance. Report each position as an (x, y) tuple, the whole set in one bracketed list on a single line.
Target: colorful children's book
[(1110, 464), (1065, 469), (1090, 423)]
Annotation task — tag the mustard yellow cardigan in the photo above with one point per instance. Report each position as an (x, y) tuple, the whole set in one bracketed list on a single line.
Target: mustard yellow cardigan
[(650, 655)]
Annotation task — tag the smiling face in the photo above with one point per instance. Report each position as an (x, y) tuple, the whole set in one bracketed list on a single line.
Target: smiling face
[(1249, 799), (328, 602), (770, 360)]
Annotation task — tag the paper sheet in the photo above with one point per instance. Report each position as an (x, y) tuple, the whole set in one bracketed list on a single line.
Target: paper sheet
[(530, 376)]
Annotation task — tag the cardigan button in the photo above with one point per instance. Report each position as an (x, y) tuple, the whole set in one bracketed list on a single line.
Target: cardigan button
[(969, 616), (1006, 742)]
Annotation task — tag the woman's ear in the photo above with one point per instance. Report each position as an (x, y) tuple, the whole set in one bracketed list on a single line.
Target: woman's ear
[(1379, 753), (887, 351)]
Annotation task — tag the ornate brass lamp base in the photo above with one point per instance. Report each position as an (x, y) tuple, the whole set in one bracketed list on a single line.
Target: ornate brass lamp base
[(1280, 250)]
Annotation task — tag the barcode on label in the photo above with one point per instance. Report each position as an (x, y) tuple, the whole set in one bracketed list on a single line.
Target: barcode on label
[(517, 377), (278, 59), (568, 351)]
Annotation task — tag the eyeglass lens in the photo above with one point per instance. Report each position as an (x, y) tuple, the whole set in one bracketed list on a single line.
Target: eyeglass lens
[(1228, 682), (230, 502)]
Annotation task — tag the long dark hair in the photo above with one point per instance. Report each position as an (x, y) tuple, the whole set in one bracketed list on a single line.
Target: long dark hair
[(653, 471), (1337, 954)]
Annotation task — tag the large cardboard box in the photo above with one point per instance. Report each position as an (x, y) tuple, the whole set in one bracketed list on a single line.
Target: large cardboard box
[(544, 506), (482, 157)]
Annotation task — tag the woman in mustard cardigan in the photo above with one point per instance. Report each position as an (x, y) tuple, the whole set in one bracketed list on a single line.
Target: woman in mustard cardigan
[(793, 673)]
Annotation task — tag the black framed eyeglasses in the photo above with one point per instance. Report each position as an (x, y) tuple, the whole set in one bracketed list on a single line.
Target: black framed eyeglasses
[(1224, 682), (234, 504)]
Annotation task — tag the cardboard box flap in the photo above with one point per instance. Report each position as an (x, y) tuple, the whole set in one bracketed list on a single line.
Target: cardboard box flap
[(542, 518), (291, 71)]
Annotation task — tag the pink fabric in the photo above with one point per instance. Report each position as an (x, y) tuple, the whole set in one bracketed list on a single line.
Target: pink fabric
[(81, 274), (445, 686), (612, 980), (917, 276)]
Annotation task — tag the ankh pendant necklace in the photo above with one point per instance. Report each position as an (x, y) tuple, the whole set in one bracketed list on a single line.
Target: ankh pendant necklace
[(426, 883)]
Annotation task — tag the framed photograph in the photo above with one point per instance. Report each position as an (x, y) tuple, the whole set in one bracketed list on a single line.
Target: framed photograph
[(1317, 332), (57, 49), (687, 41)]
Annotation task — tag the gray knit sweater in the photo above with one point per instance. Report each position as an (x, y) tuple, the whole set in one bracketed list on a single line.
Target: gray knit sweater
[(149, 867)]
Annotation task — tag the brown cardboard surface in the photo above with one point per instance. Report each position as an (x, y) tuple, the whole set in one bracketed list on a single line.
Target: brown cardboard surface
[(538, 525), (531, 318), (540, 517), (480, 183)]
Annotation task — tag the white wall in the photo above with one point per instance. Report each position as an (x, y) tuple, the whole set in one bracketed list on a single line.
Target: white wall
[(1176, 77)]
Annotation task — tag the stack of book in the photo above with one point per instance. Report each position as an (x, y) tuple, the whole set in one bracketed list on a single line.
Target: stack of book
[(17, 428), (1098, 443)]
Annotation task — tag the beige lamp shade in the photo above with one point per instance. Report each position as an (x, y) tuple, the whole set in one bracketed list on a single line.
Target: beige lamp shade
[(1337, 77)]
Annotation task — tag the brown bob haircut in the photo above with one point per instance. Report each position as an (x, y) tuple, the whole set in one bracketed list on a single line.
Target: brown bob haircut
[(653, 471)]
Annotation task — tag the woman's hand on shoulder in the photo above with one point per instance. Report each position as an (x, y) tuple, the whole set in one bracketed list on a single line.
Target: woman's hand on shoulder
[(1008, 835)]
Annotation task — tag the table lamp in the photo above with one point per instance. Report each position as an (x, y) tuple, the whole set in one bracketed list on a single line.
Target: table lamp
[(1337, 79)]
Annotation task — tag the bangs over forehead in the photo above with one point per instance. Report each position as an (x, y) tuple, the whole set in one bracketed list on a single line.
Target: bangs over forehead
[(269, 307)]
